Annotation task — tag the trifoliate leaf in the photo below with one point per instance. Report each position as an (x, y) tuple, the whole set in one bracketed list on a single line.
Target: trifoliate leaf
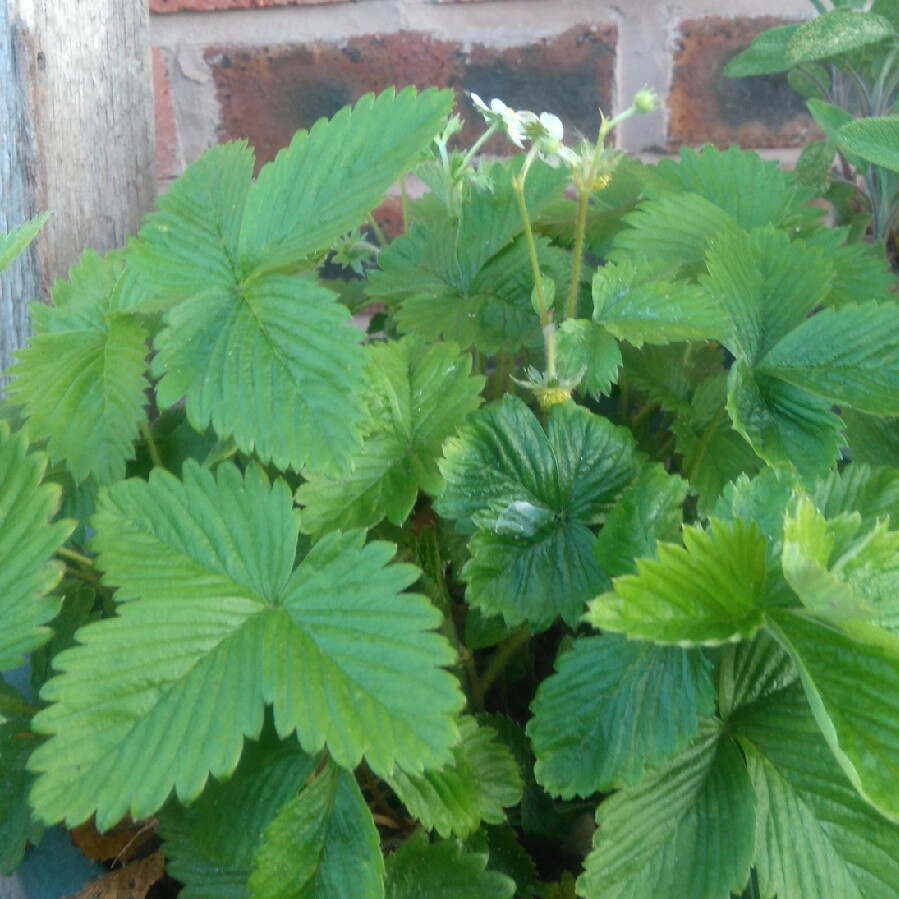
[(442, 870), (417, 398), (762, 499), (766, 55), (588, 352), (216, 622), (613, 708), (321, 845), (834, 33), (710, 590), (649, 510), (329, 178), (815, 835), (271, 364), (83, 383), (14, 241), (210, 844), (651, 235), (190, 245), (784, 424), (531, 498), (852, 684), (27, 543), (636, 303), (753, 191), (481, 781), (684, 830), (17, 741), (850, 356), (874, 140), (751, 671)]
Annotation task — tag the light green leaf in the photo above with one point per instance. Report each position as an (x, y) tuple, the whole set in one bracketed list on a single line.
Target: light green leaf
[(815, 835), (14, 241), (272, 364), (829, 116), (613, 708), (684, 830), (636, 303), (321, 845), (587, 351), (784, 424), (417, 398), (210, 844), (214, 623), (836, 32), (532, 497), (330, 177), (848, 355), (652, 236), (649, 510), (875, 140), (189, 246), (852, 684), (766, 55), (83, 383), (482, 780), (710, 590), (28, 541), (442, 870), (17, 826), (871, 493)]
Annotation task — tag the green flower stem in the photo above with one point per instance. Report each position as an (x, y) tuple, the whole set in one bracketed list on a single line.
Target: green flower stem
[(503, 656), (476, 146), (518, 185), (73, 556), (85, 572), (151, 445), (549, 345), (583, 199), (376, 229)]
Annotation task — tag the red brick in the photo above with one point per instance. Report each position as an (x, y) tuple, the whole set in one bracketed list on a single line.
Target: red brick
[(164, 6), (168, 155), (706, 106), (267, 93)]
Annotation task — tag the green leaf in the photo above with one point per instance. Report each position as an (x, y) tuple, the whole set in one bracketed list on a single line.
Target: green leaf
[(814, 164), (330, 177), (685, 830), (835, 33), (482, 780), (321, 845), (860, 269), (587, 351), (815, 835), (636, 303), (83, 383), (852, 684), (829, 116), (442, 871), (875, 140), (849, 356), (871, 493), (271, 364), (214, 623), (210, 844), (751, 671), (613, 708), (766, 55), (649, 510), (28, 541), (190, 245), (871, 440), (531, 498), (784, 424), (651, 235), (710, 590), (14, 241), (417, 398), (17, 827)]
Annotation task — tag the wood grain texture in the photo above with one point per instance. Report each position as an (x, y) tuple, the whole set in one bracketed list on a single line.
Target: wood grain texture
[(76, 136)]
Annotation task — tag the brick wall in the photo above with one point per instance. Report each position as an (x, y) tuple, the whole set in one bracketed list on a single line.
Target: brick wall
[(260, 69)]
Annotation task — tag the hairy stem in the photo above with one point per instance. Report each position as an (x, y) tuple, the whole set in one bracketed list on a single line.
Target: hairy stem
[(502, 656), (152, 448), (583, 199)]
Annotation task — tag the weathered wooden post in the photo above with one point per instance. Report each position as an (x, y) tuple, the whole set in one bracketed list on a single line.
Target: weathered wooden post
[(76, 137)]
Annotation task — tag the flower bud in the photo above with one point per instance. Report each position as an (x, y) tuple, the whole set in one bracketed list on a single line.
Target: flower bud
[(645, 100)]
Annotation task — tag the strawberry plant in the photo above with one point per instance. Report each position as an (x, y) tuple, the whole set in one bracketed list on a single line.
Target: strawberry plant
[(574, 575)]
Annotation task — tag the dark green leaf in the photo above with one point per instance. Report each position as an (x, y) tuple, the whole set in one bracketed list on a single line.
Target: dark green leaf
[(613, 708), (766, 55), (875, 140), (835, 33), (587, 351)]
